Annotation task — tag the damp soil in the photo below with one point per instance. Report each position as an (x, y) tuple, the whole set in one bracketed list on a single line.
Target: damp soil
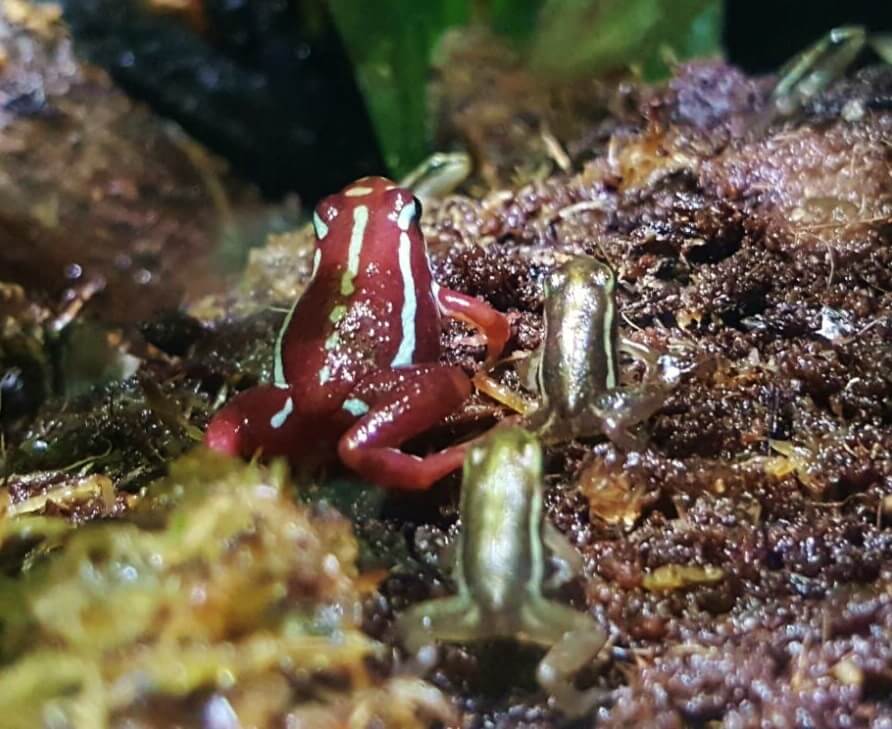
[(765, 257)]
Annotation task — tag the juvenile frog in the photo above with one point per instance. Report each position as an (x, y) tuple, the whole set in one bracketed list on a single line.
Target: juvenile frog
[(577, 368), (356, 369), (438, 175), (500, 567)]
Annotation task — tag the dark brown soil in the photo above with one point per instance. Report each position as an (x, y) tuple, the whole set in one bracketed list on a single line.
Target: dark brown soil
[(767, 255)]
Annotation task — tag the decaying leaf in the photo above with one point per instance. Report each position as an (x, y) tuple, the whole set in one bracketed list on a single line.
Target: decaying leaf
[(611, 495), (678, 576)]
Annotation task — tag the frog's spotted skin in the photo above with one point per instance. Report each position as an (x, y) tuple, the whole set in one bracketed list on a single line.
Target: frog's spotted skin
[(577, 368), (500, 567), (356, 370)]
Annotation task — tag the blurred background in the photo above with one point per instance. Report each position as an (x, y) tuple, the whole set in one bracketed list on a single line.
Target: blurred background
[(151, 147), (305, 95)]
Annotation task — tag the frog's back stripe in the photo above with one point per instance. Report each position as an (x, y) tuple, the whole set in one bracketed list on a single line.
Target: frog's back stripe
[(407, 317), (607, 343), (354, 252), (278, 356), (357, 191)]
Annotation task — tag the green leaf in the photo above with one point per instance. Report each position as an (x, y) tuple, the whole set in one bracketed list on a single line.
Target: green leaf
[(390, 44), (513, 18), (589, 37)]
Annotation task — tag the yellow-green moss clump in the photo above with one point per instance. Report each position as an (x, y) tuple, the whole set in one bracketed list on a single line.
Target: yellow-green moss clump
[(220, 599)]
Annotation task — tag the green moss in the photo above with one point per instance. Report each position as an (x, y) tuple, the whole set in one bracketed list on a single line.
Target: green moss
[(218, 580)]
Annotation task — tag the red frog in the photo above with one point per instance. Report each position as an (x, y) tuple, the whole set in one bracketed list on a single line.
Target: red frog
[(357, 370)]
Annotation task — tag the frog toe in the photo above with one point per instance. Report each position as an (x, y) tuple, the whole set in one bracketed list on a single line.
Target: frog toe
[(571, 701), (575, 641)]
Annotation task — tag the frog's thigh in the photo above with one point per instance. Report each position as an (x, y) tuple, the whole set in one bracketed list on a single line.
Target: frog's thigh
[(547, 622), (650, 357), (476, 312), (450, 619), (575, 640), (393, 406), (551, 426), (261, 418)]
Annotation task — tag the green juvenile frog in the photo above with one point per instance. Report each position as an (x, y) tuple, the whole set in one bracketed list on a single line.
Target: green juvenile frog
[(500, 568), (577, 367), (818, 66), (438, 175)]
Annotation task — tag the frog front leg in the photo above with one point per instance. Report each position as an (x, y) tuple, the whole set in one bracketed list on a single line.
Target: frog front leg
[(574, 639), (623, 407), (395, 405), (493, 324)]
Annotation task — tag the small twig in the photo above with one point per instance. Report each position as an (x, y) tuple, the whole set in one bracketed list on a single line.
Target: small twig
[(579, 207), (555, 150)]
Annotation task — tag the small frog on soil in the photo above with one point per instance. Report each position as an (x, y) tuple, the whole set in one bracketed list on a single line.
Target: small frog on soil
[(576, 368), (500, 568)]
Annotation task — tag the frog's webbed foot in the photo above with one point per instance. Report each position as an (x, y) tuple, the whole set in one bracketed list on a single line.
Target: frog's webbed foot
[(621, 408), (575, 640), (449, 619)]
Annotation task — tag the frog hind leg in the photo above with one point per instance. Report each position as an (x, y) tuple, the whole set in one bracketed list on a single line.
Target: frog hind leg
[(641, 352), (575, 640), (262, 419), (395, 405), (450, 619)]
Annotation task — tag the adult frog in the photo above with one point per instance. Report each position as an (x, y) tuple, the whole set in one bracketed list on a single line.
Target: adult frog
[(500, 568), (356, 369)]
